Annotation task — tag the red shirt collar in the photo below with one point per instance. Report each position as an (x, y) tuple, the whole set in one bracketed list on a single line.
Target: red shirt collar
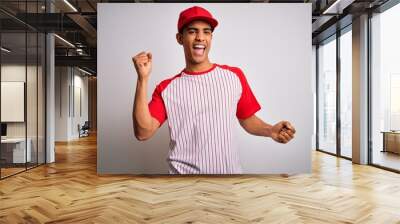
[(200, 72)]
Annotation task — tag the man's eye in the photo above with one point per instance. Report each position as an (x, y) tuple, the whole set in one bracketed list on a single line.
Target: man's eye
[(191, 31)]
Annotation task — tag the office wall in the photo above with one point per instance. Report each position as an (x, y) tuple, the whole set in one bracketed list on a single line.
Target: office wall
[(70, 83), (270, 42), (62, 80), (80, 110), (15, 72)]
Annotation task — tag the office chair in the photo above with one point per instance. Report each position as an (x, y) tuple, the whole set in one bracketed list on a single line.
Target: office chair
[(84, 130)]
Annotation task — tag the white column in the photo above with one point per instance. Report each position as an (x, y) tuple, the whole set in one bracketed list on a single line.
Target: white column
[(50, 110), (50, 92), (360, 90)]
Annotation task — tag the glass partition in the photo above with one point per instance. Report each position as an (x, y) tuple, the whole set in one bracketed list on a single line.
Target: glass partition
[(13, 99), (41, 87), (22, 77), (32, 95)]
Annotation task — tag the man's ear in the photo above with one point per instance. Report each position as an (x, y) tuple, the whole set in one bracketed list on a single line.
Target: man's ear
[(179, 37)]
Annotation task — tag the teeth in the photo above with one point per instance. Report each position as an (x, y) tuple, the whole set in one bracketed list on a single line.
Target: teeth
[(199, 46)]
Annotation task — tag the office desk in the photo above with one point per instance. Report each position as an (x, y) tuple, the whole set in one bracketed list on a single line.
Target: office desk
[(13, 150), (391, 141)]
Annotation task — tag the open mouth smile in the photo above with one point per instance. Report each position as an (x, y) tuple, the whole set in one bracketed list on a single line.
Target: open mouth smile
[(199, 49)]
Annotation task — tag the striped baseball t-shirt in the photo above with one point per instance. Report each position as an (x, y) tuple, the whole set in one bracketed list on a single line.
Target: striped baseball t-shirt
[(201, 108)]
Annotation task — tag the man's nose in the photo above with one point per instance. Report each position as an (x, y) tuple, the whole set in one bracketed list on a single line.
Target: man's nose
[(200, 36)]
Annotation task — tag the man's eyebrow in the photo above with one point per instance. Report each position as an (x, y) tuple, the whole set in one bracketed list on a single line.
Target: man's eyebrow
[(194, 28)]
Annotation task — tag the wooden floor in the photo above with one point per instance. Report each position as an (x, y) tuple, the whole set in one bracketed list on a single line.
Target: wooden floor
[(69, 191), (387, 159), (5, 172)]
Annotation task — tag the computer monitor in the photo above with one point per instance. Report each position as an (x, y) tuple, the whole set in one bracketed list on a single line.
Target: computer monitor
[(3, 129)]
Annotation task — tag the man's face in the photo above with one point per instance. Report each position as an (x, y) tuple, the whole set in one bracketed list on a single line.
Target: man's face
[(196, 40)]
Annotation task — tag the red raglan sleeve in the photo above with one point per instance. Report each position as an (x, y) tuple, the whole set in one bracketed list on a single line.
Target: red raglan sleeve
[(248, 104), (156, 105)]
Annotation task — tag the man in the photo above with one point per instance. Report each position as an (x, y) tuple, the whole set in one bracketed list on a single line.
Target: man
[(201, 103)]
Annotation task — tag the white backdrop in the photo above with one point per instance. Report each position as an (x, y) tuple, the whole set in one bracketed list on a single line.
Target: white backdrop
[(271, 43)]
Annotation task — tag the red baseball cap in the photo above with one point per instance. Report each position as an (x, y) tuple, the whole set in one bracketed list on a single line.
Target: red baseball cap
[(196, 13)]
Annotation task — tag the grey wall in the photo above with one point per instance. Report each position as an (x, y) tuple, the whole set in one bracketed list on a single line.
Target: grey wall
[(270, 42)]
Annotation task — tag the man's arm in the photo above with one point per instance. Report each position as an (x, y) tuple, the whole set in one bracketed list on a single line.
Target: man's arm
[(144, 125), (281, 132)]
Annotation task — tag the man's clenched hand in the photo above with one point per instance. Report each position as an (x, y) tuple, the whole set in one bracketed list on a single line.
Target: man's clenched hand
[(283, 132), (143, 64)]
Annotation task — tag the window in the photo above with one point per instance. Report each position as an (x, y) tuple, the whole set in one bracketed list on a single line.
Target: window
[(327, 96), (385, 88), (346, 93)]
